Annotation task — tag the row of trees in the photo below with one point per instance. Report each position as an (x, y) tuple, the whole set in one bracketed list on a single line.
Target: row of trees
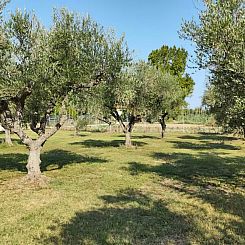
[(219, 36), (77, 62), (141, 92)]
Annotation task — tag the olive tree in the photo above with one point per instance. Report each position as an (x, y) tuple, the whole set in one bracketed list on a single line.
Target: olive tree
[(43, 68), (163, 97), (3, 3), (122, 99), (173, 60), (140, 92), (219, 36)]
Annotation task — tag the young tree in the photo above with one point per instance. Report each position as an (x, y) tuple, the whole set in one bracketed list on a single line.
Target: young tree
[(219, 36), (141, 91), (164, 96), (43, 68), (175, 86)]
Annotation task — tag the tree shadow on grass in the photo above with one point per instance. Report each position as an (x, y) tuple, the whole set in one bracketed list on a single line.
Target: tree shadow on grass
[(209, 136), (130, 217), (13, 162), (103, 143), (55, 159), (79, 134), (204, 146), (140, 136), (217, 180)]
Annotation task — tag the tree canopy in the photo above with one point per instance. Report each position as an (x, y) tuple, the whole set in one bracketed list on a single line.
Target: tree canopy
[(219, 36), (41, 68), (173, 60)]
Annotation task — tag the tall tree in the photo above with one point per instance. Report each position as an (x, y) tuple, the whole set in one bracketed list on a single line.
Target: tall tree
[(219, 36), (43, 68), (173, 60)]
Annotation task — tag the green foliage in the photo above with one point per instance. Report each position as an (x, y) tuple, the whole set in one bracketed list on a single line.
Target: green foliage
[(196, 116), (164, 93), (81, 123), (44, 68), (173, 60), (219, 38), (142, 91), (125, 93)]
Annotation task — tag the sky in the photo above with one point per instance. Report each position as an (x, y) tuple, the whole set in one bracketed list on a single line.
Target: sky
[(147, 24)]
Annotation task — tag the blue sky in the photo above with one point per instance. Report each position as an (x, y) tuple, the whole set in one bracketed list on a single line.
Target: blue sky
[(147, 24)]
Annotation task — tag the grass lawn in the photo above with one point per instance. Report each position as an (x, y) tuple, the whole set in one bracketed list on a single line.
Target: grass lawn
[(185, 189)]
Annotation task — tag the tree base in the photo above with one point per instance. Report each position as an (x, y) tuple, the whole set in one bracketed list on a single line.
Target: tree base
[(129, 146), (25, 183), (40, 181)]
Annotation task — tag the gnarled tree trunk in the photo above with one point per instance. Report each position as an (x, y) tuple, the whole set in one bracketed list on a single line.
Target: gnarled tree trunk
[(8, 140), (127, 129), (34, 161)]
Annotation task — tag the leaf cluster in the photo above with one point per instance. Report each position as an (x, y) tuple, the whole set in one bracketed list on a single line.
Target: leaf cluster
[(220, 38)]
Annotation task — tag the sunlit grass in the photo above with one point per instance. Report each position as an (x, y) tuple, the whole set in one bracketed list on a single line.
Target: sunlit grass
[(185, 189)]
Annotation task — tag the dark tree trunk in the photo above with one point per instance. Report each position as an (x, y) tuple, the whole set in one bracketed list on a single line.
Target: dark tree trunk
[(163, 124), (33, 165), (163, 128), (8, 140)]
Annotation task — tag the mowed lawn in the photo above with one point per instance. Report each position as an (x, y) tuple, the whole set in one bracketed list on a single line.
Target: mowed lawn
[(185, 189)]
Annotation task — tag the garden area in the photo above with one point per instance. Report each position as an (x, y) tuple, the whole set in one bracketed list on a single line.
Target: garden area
[(102, 146), (185, 189)]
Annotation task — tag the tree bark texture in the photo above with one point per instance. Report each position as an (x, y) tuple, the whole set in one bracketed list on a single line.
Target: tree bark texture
[(34, 161), (8, 140), (128, 142)]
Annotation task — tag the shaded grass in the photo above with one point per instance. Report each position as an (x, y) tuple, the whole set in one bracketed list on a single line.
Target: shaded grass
[(135, 219), (203, 145), (54, 159), (185, 189), (105, 143)]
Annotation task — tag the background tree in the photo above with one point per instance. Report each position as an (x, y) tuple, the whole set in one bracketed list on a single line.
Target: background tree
[(219, 36), (124, 98), (173, 60), (3, 3), (164, 96), (44, 68)]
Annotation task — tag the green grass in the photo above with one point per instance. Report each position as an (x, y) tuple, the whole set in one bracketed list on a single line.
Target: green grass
[(185, 189)]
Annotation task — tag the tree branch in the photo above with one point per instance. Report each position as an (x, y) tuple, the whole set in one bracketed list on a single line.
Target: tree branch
[(62, 119)]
